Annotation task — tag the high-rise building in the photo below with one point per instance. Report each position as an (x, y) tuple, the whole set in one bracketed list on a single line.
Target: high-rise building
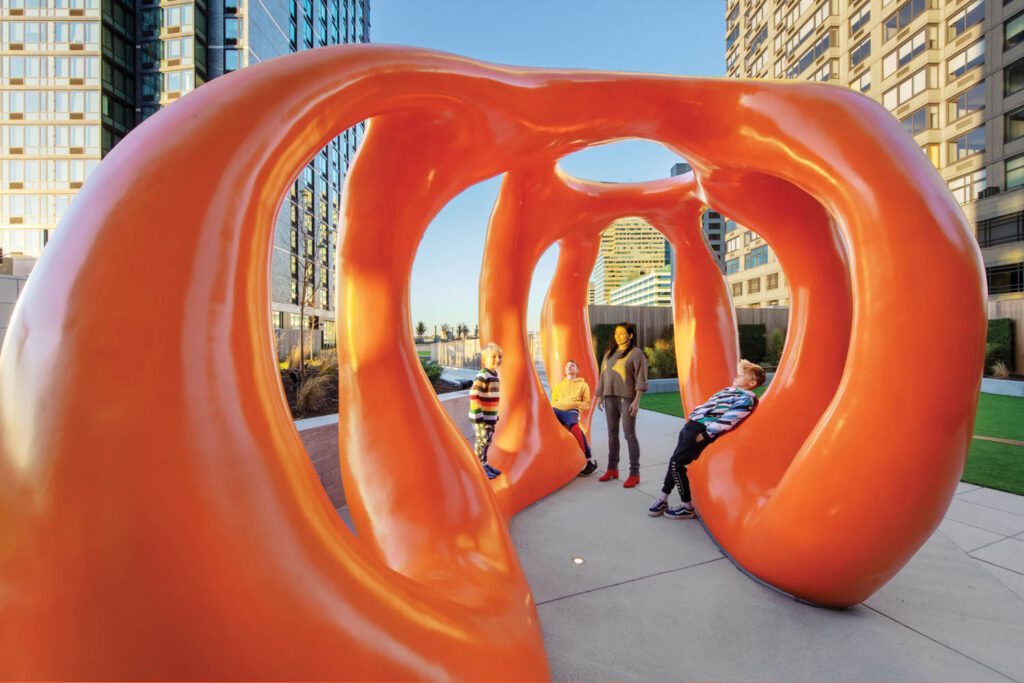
[(630, 247), (652, 289), (712, 223), (77, 75), (952, 71)]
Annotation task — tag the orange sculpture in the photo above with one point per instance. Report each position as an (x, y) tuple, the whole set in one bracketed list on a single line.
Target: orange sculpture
[(158, 516)]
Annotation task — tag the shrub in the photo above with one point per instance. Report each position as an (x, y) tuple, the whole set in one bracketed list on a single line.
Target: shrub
[(602, 334), (329, 363), (999, 343), (776, 341), (661, 360), (312, 394), (752, 342), (999, 370), (433, 370)]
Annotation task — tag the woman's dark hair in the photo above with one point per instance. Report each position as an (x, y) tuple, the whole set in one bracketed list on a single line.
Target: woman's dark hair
[(631, 331)]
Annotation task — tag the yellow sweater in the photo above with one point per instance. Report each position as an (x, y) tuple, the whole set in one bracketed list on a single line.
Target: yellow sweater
[(571, 394)]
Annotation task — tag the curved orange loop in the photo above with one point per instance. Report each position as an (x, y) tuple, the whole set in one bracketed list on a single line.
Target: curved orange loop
[(140, 517), (737, 477)]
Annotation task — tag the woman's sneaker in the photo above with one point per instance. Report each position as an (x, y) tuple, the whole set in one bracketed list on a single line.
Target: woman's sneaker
[(681, 512), (588, 469), (658, 509)]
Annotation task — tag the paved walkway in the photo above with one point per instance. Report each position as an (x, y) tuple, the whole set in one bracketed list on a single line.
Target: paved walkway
[(654, 599)]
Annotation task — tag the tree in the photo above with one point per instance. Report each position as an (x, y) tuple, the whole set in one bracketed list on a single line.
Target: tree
[(421, 329), (476, 331), (446, 331), (312, 252), (463, 330)]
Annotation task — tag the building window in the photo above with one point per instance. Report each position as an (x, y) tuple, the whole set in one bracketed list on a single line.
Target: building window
[(903, 16), (973, 56), (1013, 76), (907, 89), (754, 285), (732, 266), (230, 30), (772, 282), (1013, 31), (756, 257), (966, 18), (862, 84), (733, 244), (748, 237), (965, 188), (1015, 172), (925, 118), (231, 61), (737, 289), (1014, 124), (905, 53), (967, 102), (1005, 279), (859, 18), (861, 52), (970, 143), (1001, 230)]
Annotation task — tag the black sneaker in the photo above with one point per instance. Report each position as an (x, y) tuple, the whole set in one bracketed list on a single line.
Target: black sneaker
[(681, 512), (588, 469), (658, 509)]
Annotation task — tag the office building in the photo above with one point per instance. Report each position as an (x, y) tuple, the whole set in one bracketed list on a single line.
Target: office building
[(630, 247), (952, 71), (77, 75), (652, 289), (712, 223)]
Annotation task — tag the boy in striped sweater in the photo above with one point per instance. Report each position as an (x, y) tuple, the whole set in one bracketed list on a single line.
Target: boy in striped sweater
[(708, 421), (483, 404)]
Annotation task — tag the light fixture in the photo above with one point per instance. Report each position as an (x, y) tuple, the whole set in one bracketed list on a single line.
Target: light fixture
[(578, 560)]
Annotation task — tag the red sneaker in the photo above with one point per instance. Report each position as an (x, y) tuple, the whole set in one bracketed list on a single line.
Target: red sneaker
[(631, 481), (609, 475)]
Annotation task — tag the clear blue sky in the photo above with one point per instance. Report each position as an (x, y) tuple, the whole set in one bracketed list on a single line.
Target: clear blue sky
[(684, 37)]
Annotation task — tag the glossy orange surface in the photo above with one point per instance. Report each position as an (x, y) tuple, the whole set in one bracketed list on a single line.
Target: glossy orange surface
[(158, 516)]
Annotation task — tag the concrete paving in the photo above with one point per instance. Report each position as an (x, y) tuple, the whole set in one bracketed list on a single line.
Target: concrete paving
[(654, 599)]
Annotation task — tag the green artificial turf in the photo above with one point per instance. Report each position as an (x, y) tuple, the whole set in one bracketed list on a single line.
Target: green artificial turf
[(994, 465)]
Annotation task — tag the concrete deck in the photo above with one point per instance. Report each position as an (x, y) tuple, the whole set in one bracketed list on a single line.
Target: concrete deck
[(656, 600)]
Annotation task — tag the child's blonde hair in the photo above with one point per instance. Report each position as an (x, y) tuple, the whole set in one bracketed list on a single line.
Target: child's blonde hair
[(489, 350), (754, 370)]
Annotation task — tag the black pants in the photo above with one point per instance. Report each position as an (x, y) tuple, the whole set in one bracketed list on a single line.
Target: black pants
[(693, 439)]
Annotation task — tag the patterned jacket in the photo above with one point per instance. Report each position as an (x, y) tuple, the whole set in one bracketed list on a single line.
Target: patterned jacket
[(724, 410)]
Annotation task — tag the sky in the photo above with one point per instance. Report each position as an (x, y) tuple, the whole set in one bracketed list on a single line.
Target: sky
[(680, 37)]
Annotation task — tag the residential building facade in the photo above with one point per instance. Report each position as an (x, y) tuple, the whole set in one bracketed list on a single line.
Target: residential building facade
[(77, 75), (952, 71)]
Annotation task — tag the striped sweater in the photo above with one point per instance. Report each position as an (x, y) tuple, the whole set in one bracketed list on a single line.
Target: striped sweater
[(724, 410), (483, 397)]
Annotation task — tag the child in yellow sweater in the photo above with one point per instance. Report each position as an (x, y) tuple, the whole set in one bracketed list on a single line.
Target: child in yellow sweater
[(568, 398)]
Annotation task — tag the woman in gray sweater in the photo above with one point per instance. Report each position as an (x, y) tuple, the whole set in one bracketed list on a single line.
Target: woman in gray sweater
[(623, 381)]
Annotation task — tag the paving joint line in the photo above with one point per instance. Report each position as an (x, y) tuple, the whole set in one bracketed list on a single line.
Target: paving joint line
[(940, 643), (989, 507), (633, 580), (981, 547), (1012, 571), (981, 528)]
